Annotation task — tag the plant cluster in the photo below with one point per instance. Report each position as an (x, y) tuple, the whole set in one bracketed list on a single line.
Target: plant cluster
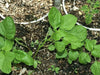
[(67, 40), (90, 10), (8, 53), (70, 40), (53, 68)]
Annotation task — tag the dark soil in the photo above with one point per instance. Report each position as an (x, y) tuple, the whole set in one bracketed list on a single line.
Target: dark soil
[(37, 31)]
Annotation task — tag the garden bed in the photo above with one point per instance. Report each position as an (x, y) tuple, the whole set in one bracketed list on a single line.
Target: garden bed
[(26, 11)]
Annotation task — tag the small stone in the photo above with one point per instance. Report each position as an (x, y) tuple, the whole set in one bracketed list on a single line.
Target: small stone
[(80, 13), (75, 8), (7, 5)]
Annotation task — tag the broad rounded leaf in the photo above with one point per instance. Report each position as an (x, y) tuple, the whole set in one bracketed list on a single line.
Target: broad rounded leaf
[(7, 28), (79, 31), (54, 17), (68, 22), (60, 46), (8, 44), (63, 55), (57, 35), (75, 45), (5, 61), (84, 58), (96, 51), (90, 44), (24, 57), (73, 55), (95, 68), (51, 47)]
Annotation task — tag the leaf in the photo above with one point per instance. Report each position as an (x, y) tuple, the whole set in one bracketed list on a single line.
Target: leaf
[(60, 46), (76, 36), (7, 28), (97, 4), (69, 61), (5, 61), (30, 53), (79, 32), (51, 47), (84, 58), (73, 55), (1, 42), (68, 22), (54, 17), (75, 45), (85, 9), (88, 1), (96, 51), (88, 18), (35, 64), (95, 68), (50, 31), (8, 44), (95, 11), (57, 35), (90, 44), (24, 57), (63, 55), (57, 69)]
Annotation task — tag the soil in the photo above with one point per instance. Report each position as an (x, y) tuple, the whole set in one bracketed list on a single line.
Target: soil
[(29, 10)]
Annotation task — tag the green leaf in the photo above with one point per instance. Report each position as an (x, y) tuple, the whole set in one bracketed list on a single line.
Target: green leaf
[(50, 31), (8, 44), (95, 11), (35, 63), (69, 61), (79, 32), (30, 53), (24, 57), (60, 46), (75, 45), (70, 38), (5, 61), (88, 18), (7, 28), (57, 35), (68, 22), (61, 55), (96, 51), (85, 8), (88, 1), (95, 68), (57, 69), (97, 4), (73, 55), (54, 17), (51, 47), (90, 44), (84, 58), (1, 42)]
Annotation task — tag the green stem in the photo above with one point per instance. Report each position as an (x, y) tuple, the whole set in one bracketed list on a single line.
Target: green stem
[(40, 45), (21, 44)]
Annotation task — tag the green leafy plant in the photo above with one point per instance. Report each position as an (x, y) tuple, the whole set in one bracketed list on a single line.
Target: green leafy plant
[(70, 40), (34, 43), (8, 53), (55, 69), (90, 9)]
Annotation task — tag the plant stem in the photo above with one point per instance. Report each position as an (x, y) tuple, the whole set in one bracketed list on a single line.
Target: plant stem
[(40, 45), (21, 44)]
